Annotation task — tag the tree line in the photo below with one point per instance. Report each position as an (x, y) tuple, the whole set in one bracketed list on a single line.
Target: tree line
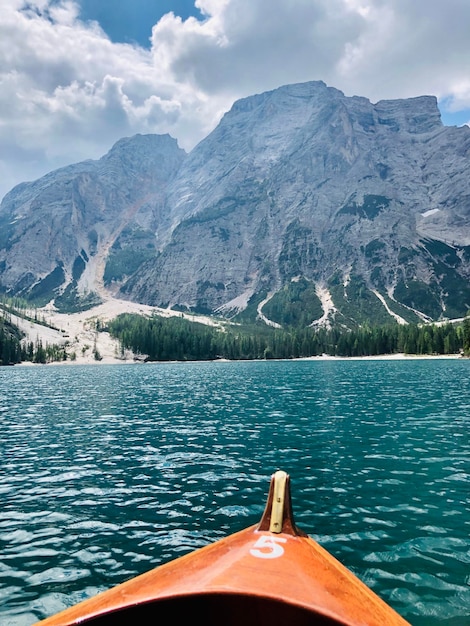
[(13, 350), (176, 339), (10, 347)]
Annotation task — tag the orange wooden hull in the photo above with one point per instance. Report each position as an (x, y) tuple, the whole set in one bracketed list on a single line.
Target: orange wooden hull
[(255, 576)]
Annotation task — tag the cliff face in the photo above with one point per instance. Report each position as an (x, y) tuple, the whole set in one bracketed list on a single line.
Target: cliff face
[(58, 232), (305, 182), (299, 194)]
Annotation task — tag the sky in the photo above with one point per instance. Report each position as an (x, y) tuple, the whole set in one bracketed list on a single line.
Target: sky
[(77, 75)]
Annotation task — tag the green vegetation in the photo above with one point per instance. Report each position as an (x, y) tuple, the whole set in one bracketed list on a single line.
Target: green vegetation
[(168, 339), (124, 262), (13, 350), (222, 208), (374, 250), (466, 335), (417, 295), (250, 313), (372, 205), (45, 289), (133, 247), (10, 348), (299, 251), (38, 353), (6, 230), (457, 296), (93, 241), (78, 267), (296, 304), (70, 301), (357, 303), (22, 308), (179, 339), (407, 314), (455, 288)]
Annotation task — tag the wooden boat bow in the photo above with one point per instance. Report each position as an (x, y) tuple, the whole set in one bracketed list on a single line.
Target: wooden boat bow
[(278, 516), (269, 574)]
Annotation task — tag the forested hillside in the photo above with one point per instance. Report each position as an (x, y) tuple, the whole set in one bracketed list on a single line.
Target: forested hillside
[(161, 339), (10, 348), (14, 348), (178, 339)]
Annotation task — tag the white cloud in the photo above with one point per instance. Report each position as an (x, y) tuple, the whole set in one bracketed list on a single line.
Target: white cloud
[(67, 92), (244, 47)]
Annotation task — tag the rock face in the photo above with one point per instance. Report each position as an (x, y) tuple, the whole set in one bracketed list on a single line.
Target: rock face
[(57, 233), (301, 198)]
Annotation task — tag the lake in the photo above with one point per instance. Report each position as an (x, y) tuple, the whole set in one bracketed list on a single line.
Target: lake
[(109, 470)]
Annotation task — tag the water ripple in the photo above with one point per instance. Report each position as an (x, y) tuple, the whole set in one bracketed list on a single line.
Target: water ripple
[(110, 470)]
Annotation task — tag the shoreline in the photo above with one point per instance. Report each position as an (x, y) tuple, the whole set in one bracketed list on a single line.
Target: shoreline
[(323, 357), (79, 333)]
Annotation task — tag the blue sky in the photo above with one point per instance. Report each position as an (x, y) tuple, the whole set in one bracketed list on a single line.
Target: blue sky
[(131, 21), (77, 75), (454, 118)]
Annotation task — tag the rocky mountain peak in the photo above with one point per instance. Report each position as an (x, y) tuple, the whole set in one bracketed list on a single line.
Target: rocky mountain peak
[(151, 152), (300, 197), (414, 115), (58, 231)]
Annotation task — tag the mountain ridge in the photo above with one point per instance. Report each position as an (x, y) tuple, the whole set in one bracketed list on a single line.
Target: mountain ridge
[(300, 196)]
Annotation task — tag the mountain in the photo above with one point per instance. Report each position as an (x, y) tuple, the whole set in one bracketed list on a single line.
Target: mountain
[(302, 206), (59, 233)]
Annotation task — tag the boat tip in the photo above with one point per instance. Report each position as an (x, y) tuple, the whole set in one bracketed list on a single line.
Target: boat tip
[(278, 516)]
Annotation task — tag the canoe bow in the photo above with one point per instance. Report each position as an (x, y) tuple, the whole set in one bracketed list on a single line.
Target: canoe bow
[(271, 573)]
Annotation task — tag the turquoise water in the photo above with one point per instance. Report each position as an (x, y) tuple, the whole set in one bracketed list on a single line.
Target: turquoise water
[(108, 471)]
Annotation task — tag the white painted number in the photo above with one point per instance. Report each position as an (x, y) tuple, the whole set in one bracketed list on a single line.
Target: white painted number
[(268, 547)]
